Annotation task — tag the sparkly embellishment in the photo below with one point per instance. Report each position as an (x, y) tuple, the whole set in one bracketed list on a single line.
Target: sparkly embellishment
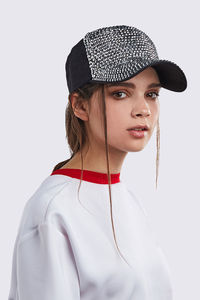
[(116, 53)]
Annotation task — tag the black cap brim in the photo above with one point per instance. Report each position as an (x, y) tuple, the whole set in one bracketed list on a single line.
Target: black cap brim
[(171, 76)]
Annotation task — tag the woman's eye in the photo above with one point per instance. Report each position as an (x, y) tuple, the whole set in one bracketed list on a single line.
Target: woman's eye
[(118, 93), (153, 93)]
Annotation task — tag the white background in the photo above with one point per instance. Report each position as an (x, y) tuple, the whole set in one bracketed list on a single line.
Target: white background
[(36, 37)]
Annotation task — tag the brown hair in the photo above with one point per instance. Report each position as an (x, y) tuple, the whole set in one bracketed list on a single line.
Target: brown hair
[(77, 136)]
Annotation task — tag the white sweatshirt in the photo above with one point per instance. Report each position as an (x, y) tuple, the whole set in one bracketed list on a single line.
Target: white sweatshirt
[(65, 250)]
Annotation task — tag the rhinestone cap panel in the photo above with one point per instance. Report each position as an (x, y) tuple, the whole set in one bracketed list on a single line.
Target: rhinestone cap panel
[(118, 52)]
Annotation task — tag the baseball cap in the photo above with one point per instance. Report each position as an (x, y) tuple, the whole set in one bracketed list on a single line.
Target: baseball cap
[(117, 53)]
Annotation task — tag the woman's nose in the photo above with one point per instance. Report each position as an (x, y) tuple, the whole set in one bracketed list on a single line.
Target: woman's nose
[(141, 109)]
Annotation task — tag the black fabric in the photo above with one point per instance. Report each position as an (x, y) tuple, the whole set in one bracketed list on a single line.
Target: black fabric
[(171, 76), (77, 67)]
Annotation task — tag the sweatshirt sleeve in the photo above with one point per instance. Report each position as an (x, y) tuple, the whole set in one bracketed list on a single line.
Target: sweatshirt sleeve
[(45, 266)]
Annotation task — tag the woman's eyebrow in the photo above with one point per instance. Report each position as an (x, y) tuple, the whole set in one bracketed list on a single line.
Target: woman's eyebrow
[(132, 85)]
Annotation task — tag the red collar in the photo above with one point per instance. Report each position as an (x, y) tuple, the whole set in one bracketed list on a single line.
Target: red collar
[(91, 176)]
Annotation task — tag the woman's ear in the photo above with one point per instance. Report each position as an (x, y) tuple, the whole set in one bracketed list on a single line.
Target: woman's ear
[(79, 106)]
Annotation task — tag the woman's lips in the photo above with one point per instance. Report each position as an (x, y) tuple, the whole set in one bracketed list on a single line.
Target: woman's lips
[(138, 133)]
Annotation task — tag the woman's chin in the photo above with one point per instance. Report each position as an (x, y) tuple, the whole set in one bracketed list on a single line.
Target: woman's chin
[(136, 148)]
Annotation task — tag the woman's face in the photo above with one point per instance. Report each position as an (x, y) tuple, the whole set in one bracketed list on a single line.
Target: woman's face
[(126, 106)]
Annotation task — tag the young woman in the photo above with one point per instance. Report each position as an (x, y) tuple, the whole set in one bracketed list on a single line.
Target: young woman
[(83, 233)]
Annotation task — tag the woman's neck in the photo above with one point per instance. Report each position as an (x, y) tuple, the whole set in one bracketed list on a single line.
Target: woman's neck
[(91, 164)]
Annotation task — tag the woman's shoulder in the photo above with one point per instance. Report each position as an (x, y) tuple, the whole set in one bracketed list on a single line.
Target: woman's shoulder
[(39, 205)]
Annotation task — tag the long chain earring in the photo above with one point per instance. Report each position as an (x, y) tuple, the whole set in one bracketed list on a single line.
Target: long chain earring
[(158, 149)]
